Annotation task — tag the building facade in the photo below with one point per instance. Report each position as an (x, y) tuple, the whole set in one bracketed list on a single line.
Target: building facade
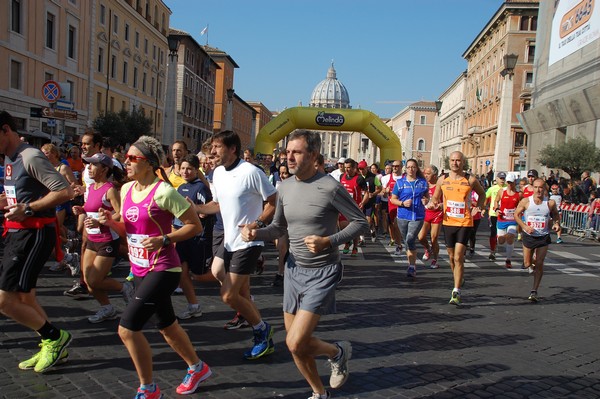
[(566, 90), (497, 91), (190, 92), (451, 122), (263, 116), (414, 125)]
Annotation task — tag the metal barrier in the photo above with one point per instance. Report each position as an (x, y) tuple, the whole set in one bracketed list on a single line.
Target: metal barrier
[(577, 221)]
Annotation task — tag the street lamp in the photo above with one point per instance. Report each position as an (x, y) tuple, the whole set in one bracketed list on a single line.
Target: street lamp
[(229, 114), (435, 142), (410, 138), (173, 46), (438, 106), (509, 62)]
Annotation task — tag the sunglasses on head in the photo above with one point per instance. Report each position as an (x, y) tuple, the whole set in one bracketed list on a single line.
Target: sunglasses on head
[(134, 158)]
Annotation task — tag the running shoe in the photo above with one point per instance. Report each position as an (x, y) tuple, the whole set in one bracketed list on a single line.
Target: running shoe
[(411, 272), (339, 367), (533, 296), (434, 264), (58, 266), (559, 240), (392, 243), (262, 343), (191, 311), (471, 252), (260, 265), (129, 276), (317, 395), (193, 378), (508, 264), (455, 299), (346, 249), (519, 237), (354, 252), (492, 256), (277, 281), (373, 235), (77, 291), (398, 250), (426, 255), (531, 269), (30, 363), (128, 292), (237, 322), (361, 241), (147, 394), (178, 291), (104, 314), (52, 351), (74, 265)]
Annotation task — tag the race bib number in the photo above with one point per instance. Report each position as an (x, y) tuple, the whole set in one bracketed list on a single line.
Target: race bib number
[(11, 195), (537, 222), (455, 209), (509, 214), (93, 230), (138, 255)]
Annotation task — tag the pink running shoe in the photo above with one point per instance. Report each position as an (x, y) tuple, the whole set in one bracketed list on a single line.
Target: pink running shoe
[(193, 378), (146, 394), (426, 255)]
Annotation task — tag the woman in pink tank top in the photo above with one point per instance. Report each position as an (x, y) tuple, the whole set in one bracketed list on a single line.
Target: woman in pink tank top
[(102, 244), (149, 206)]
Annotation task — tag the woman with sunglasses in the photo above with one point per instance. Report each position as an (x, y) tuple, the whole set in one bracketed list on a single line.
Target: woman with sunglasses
[(148, 207)]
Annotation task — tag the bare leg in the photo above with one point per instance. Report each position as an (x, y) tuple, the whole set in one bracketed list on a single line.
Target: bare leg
[(139, 350), (178, 339), (235, 292)]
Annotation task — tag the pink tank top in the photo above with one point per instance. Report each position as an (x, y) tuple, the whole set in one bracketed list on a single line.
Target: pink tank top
[(432, 213), (97, 199), (142, 220)]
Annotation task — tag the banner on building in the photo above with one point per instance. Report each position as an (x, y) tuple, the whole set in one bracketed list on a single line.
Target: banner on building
[(576, 23)]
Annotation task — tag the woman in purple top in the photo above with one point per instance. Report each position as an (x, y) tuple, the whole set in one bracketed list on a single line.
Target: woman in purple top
[(148, 207)]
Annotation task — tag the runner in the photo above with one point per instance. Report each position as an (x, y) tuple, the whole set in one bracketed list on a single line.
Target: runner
[(490, 194), (505, 203), (432, 222)]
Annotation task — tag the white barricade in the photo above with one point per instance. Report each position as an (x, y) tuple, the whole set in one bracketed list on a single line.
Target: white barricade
[(576, 220)]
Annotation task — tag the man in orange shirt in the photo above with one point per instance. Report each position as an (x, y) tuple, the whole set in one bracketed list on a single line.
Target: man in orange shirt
[(454, 189)]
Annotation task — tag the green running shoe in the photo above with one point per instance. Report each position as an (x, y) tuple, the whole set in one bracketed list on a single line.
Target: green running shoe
[(30, 363), (455, 300), (52, 351)]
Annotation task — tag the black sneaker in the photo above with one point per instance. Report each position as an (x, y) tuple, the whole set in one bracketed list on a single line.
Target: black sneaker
[(278, 281), (77, 291), (260, 265), (237, 322), (492, 256)]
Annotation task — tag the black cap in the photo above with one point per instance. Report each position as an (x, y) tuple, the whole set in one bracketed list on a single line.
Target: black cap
[(533, 173)]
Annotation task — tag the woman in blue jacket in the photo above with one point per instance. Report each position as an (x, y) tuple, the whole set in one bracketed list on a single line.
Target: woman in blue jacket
[(410, 194)]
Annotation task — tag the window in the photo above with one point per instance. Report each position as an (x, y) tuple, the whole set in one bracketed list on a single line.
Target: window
[(530, 54), (112, 104), (154, 52), (421, 145), (137, 39), (125, 67), (15, 16), (102, 14), (152, 88), (50, 30), (146, 46), (123, 106), (116, 24), (16, 71), (127, 32), (423, 119), (135, 77), (48, 76), (70, 94), (98, 101), (520, 139), (72, 35), (144, 82), (113, 66), (100, 59), (534, 23)]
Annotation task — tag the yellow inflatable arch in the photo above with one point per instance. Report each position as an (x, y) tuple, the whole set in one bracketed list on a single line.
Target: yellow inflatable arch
[(335, 119)]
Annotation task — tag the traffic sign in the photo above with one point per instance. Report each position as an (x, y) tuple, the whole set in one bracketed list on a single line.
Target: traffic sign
[(58, 113), (62, 104), (35, 112), (51, 122), (51, 91), (487, 162)]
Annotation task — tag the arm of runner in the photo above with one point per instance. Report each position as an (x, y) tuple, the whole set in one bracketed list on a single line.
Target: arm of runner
[(436, 199), (555, 215), (519, 215)]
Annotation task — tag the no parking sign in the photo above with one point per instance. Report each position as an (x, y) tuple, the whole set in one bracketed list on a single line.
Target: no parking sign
[(51, 91)]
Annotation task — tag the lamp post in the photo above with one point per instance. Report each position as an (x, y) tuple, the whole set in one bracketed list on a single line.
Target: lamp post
[(503, 140), (171, 94), (435, 141), (410, 138), (229, 113)]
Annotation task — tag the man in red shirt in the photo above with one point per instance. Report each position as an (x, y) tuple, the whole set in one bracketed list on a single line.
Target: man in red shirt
[(356, 186)]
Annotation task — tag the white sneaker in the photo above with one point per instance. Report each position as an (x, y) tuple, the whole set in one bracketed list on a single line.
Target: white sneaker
[(105, 313), (339, 368), (398, 250), (191, 311)]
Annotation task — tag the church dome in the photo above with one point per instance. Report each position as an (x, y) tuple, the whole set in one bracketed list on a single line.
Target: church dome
[(330, 93)]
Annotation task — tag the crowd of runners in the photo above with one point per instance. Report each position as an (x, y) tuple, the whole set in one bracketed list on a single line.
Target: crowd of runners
[(207, 216)]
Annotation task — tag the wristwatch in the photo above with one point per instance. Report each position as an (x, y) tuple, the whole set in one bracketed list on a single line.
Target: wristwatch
[(28, 211), (166, 240), (260, 223)]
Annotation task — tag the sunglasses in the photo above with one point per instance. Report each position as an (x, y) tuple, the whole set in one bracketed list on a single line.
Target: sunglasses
[(395, 166), (134, 158)]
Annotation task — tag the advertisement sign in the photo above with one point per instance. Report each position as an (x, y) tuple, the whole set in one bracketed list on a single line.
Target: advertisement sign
[(576, 23)]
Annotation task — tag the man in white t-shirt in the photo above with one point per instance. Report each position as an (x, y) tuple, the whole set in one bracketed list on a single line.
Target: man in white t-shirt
[(336, 174), (239, 191)]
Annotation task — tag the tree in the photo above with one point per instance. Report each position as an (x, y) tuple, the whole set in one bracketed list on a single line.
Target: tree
[(123, 127), (573, 156)]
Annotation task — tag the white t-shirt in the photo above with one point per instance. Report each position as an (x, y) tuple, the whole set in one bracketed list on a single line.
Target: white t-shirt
[(240, 193), (336, 174)]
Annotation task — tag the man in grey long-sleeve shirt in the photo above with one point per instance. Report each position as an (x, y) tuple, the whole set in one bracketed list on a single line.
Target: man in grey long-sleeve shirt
[(308, 206)]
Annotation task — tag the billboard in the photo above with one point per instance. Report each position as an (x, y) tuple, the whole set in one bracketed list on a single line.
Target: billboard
[(576, 23)]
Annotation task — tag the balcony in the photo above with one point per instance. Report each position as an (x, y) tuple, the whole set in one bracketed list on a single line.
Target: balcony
[(474, 130)]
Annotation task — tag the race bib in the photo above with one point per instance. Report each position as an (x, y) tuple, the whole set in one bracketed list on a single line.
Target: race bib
[(138, 255), (455, 209), (509, 214), (93, 230), (11, 195), (537, 222)]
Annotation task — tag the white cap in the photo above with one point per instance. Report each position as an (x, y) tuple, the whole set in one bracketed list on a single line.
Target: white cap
[(342, 160), (510, 178)]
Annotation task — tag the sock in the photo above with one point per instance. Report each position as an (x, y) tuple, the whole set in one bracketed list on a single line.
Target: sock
[(48, 331), (148, 387), (456, 290), (339, 354), (509, 250), (260, 326), (493, 244), (197, 366)]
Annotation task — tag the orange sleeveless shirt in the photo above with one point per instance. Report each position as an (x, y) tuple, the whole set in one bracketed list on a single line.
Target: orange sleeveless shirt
[(457, 202)]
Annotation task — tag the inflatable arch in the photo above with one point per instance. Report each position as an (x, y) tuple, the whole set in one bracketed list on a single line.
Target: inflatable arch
[(335, 119)]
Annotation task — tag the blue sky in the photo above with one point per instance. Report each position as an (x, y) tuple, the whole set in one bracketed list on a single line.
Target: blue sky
[(387, 53)]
